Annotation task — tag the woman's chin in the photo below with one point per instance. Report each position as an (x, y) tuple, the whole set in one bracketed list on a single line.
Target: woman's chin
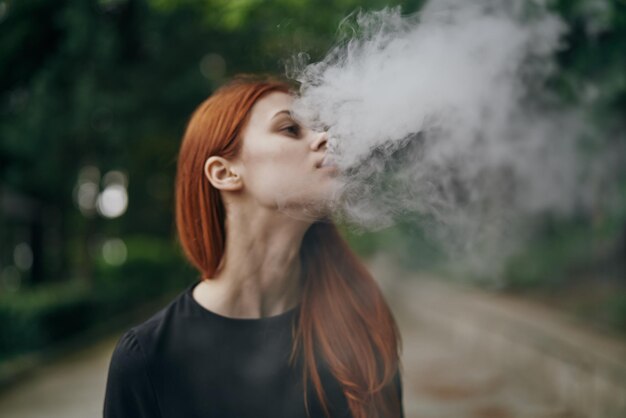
[(312, 201), (311, 208)]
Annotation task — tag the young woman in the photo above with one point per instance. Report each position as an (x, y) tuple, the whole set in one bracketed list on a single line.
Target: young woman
[(285, 321)]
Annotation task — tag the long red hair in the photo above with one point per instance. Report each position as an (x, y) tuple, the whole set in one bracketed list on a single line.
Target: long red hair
[(344, 319)]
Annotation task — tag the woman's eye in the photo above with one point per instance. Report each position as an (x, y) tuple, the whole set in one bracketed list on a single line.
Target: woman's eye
[(293, 130)]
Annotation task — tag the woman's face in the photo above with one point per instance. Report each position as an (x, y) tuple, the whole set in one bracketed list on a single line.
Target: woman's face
[(280, 160)]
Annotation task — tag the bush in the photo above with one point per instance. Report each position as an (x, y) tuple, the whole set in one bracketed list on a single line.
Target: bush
[(35, 318)]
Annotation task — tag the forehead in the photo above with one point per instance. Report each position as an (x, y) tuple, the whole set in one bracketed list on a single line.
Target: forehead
[(266, 107)]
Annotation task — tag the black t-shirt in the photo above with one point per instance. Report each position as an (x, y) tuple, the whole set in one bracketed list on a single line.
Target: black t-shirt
[(188, 362)]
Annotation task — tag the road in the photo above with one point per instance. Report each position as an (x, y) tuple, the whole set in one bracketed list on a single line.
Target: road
[(71, 387)]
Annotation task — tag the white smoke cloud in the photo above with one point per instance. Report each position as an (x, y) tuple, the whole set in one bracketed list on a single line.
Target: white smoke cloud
[(445, 114)]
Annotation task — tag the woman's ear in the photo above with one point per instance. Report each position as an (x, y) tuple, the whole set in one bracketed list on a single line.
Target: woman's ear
[(222, 174)]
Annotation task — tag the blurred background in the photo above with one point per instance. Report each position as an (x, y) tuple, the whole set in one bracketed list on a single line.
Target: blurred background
[(94, 98)]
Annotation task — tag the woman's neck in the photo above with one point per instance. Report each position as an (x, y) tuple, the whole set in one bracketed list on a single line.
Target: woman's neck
[(260, 274)]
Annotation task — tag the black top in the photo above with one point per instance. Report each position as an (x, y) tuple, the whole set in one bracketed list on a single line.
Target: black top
[(188, 362)]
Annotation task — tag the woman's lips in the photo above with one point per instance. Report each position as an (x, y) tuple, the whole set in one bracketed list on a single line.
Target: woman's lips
[(327, 162), (328, 165)]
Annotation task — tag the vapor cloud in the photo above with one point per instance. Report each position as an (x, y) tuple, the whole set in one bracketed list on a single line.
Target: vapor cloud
[(445, 114)]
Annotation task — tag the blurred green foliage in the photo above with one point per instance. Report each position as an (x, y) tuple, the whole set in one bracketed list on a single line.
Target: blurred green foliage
[(44, 315), (35, 318)]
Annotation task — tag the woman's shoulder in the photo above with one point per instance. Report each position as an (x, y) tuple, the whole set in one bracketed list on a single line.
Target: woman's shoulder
[(129, 391), (132, 346), (139, 338), (127, 354)]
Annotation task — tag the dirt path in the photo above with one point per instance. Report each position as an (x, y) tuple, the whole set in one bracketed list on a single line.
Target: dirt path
[(72, 387), (446, 379)]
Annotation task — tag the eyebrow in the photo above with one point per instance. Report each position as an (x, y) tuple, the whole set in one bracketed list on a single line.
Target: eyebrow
[(281, 112)]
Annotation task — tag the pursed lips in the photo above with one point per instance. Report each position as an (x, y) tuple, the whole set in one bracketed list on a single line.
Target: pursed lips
[(325, 162)]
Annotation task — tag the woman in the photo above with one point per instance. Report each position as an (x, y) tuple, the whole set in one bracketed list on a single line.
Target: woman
[(285, 321)]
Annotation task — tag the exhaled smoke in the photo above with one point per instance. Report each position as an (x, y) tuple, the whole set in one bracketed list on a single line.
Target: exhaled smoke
[(445, 115)]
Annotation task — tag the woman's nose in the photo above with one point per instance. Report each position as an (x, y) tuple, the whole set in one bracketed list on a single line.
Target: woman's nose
[(321, 140)]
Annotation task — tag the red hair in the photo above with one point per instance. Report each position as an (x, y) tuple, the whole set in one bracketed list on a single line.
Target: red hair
[(344, 319)]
